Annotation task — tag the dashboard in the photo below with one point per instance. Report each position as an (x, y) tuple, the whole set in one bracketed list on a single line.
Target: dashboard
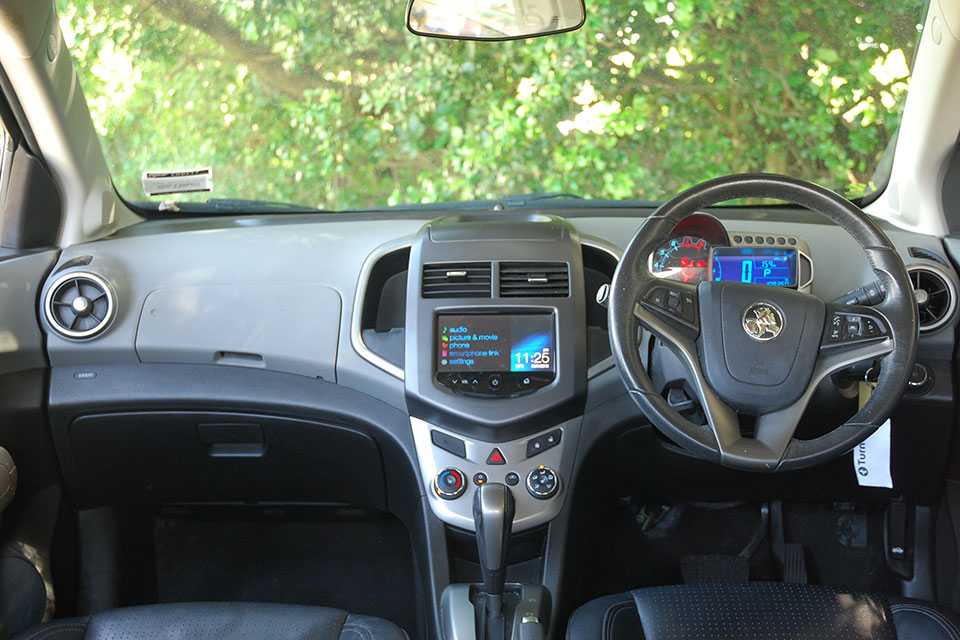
[(450, 351), (397, 362)]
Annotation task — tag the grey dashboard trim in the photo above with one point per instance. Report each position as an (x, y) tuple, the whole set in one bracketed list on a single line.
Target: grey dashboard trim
[(21, 340), (356, 334), (596, 243), (257, 325), (356, 337)]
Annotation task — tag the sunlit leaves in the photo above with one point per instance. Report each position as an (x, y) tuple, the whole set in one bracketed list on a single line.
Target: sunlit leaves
[(643, 101)]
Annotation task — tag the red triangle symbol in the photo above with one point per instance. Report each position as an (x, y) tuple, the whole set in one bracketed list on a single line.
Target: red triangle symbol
[(496, 457)]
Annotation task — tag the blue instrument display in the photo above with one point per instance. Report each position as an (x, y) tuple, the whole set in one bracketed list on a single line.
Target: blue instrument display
[(772, 266)]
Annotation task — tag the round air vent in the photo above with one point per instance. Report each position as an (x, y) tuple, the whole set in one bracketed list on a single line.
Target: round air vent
[(936, 296), (79, 305)]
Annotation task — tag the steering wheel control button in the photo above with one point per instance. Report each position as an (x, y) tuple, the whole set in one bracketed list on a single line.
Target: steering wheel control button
[(543, 483), (681, 304), (656, 297), (449, 484), (835, 328), (543, 442), (853, 327), (511, 479), (479, 478), (689, 309), (448, 443)]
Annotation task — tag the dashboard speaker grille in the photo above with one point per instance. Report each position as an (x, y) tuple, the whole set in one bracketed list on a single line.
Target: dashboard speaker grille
[(79, 305), (534, 280), (456, 280), (936, 297)]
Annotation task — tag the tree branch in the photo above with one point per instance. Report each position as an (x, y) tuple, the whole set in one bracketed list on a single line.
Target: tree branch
[(258, 58)]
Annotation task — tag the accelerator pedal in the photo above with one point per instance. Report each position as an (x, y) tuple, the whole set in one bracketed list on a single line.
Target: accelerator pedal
[(794, 563)]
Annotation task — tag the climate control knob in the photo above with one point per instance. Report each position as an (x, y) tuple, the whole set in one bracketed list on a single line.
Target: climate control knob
[(543, 482), (449, 484)]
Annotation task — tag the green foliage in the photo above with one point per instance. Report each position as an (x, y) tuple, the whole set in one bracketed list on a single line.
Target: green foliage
[(336, 105)]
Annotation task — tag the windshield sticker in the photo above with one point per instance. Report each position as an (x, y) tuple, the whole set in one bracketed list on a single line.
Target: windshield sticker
[(156, 183), (871, 459)]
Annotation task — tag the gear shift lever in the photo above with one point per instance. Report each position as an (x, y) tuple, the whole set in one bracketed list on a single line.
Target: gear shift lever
[(493, 510)]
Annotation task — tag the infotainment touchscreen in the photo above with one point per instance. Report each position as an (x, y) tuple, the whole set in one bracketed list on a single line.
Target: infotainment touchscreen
[(773, 266), (491, 354)]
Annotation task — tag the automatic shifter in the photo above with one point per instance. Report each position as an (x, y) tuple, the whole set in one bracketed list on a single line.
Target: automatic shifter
[(493, 510)]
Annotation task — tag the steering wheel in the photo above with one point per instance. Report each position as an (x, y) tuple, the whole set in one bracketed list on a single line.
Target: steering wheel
[(756, 349)]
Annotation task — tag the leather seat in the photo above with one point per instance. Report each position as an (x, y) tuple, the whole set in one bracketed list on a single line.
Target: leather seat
[(218, 621), (759, 611)]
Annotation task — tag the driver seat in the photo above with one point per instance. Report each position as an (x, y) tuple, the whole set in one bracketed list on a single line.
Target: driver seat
[(759, 611)]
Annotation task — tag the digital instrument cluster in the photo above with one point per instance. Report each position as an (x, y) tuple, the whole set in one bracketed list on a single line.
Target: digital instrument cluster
[(773, 266), (700, 250)]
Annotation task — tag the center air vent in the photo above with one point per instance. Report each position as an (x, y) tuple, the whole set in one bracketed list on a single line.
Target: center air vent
[(79, 305), (456, 280), (534, 280), (936, 296)]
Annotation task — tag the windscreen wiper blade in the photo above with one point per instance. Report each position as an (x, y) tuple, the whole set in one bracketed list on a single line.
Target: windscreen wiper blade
[(523, 199), (247, 205), (234, 206)]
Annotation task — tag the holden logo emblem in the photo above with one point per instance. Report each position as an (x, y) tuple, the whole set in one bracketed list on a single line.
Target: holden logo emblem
[(762, 321)]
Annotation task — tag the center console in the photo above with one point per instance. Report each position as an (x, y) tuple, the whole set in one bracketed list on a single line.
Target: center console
[(495, 361), (495, 372)]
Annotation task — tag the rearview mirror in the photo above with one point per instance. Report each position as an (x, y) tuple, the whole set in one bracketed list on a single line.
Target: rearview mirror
[(493, 19)]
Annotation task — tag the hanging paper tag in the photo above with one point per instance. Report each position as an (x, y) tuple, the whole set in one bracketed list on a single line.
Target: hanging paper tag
[(871, 458)]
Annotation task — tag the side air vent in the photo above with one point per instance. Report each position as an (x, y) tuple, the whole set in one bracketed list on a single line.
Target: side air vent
[(936, 296), (534, 280), (919, 252), (79, 305), (456, 280)]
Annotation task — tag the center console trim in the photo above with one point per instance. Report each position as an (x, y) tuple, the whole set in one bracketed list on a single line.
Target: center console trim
[(356, 336), (595, 243), (531, 512)]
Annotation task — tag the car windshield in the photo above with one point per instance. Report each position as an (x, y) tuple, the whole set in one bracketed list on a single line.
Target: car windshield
[(336, 105)]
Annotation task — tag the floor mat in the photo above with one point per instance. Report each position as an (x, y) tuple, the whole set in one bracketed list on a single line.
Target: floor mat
[(631, 552), (843, 543), (363, 566)]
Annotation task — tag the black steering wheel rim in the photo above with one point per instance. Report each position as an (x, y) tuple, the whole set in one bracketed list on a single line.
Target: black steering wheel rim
[(712, 442)]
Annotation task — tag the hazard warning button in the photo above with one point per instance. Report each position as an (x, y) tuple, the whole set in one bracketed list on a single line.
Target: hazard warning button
[(496, 457)]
